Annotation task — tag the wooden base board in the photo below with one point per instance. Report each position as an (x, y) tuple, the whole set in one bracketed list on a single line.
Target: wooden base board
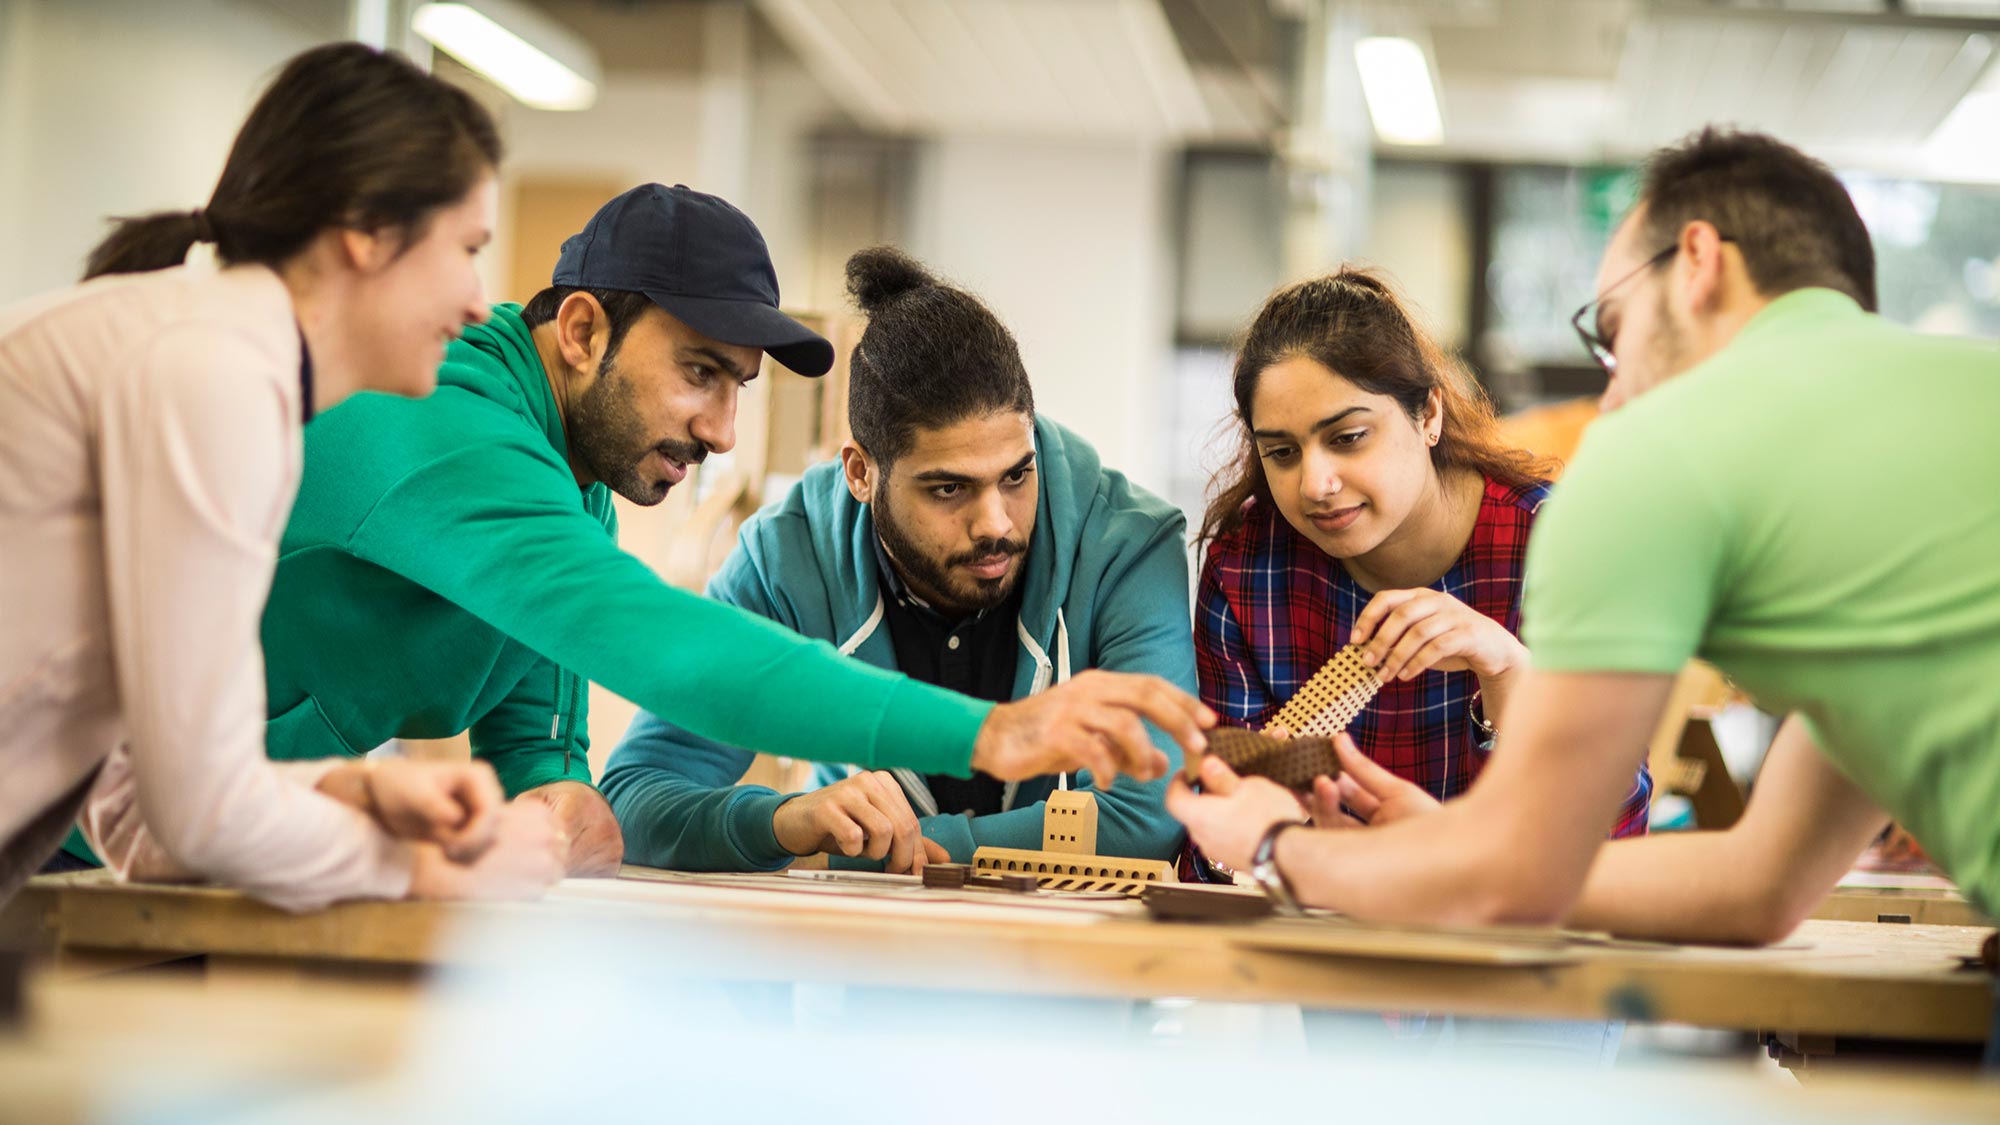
[(1059, 871)]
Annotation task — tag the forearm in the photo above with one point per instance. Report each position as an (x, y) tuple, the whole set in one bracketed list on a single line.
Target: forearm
[(125, 839), (782, 695), (690, 828), (1518, 846), (1753, 883), (1683, 886), (756, 684), (1458, 866), (676, 800)]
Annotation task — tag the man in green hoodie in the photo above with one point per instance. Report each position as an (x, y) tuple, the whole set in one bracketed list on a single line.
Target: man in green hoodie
[(451, 562), (959, 539)]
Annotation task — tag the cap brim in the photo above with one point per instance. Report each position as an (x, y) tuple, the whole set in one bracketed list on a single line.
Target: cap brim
[(753, 324)]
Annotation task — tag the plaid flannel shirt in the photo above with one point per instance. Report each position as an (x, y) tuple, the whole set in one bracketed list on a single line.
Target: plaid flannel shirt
[(1271, 608)]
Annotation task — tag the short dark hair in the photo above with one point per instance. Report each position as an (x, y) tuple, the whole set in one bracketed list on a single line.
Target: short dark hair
[(622, 308), (1788, 213), (932, 355), (345, 136)]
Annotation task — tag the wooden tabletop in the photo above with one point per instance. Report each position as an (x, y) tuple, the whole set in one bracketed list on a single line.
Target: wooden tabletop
[(1831, 978), (170, 1047)]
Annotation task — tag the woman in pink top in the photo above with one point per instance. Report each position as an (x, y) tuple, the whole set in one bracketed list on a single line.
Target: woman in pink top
[(149, 452)]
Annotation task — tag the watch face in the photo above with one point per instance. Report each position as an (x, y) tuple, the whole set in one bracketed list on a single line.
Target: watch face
[(1274, 888), (1264, 868)]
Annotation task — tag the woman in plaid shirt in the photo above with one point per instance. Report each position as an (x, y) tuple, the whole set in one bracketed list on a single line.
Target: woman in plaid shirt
[(1371, 502)]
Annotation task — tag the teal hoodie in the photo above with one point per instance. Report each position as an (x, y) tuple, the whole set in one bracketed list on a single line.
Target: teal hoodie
[(1105, 585), (442, 572)]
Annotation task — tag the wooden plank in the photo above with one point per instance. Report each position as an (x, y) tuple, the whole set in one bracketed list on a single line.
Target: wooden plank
[(546, 211), (189, 920), (1924, 907), (1338, 938)]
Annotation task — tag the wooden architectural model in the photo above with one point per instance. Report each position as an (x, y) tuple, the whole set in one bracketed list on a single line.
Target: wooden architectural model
[(1068, 860)]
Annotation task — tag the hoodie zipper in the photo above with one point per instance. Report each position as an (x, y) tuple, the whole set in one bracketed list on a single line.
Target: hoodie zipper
[(1044, 672), (563, 722)]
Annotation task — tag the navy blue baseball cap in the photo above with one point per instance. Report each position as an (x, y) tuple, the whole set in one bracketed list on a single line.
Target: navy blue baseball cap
[(700, 259)]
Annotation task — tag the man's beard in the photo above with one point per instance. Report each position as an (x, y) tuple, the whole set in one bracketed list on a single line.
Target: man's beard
[(1670, 344), (938, 582), (1666, 355), (607, 435)]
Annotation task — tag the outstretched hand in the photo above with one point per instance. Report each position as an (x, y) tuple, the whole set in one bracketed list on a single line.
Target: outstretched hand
[(1231, 813), (1094, 721)]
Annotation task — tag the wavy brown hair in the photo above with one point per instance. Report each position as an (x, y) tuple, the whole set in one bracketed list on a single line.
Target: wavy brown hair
[(1353, 324)]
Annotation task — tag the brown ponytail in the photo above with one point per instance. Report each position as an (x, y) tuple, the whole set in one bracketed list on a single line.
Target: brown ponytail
[(1353, 324), (345, 136)]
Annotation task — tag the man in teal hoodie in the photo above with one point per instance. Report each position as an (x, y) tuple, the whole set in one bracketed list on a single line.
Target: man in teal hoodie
[(451, 562), (960, 539)]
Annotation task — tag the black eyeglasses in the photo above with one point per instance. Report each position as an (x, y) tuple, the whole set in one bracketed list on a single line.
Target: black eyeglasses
[(1598, 345)]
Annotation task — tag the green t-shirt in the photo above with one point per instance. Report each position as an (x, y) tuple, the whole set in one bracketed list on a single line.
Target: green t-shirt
[(1816, 511)]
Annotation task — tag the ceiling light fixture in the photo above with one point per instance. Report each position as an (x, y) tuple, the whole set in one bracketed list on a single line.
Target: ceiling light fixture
[(1397, 84), (540, 63)]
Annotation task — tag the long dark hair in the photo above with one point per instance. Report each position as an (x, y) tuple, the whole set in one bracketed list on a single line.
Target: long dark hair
[(932, 354), (345, 136), (1353, 324)]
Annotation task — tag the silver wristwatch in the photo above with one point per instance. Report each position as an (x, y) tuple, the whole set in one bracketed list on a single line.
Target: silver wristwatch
[(1264, 868)]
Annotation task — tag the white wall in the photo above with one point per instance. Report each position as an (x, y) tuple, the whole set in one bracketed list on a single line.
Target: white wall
[(737, 131), (1419, 234), (1067, 243), (118, 107)]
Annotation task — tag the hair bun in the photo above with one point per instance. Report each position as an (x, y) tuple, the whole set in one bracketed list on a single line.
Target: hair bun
[(880, 274)]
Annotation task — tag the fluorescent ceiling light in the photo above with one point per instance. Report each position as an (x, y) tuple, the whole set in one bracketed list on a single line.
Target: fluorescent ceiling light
[(1962, 147), (1402, 100), (516, 48)]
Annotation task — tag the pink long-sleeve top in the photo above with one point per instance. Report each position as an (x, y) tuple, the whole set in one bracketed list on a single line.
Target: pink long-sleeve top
[(149, 452)]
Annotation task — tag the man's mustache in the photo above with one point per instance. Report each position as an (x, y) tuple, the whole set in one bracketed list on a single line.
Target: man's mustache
[(686, 452), (986, 549)]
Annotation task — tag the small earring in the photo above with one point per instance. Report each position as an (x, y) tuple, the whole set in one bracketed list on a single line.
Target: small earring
[(1433, 439)]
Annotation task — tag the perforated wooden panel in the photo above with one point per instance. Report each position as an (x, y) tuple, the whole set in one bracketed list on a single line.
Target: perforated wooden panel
[(1331, 699), (1291, 762)]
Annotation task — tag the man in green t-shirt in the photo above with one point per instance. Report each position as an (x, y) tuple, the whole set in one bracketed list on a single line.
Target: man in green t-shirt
[(1791, 488)]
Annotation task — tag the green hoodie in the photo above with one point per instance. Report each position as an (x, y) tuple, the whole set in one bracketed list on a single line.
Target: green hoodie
[(1105, 582), (442, 572)]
